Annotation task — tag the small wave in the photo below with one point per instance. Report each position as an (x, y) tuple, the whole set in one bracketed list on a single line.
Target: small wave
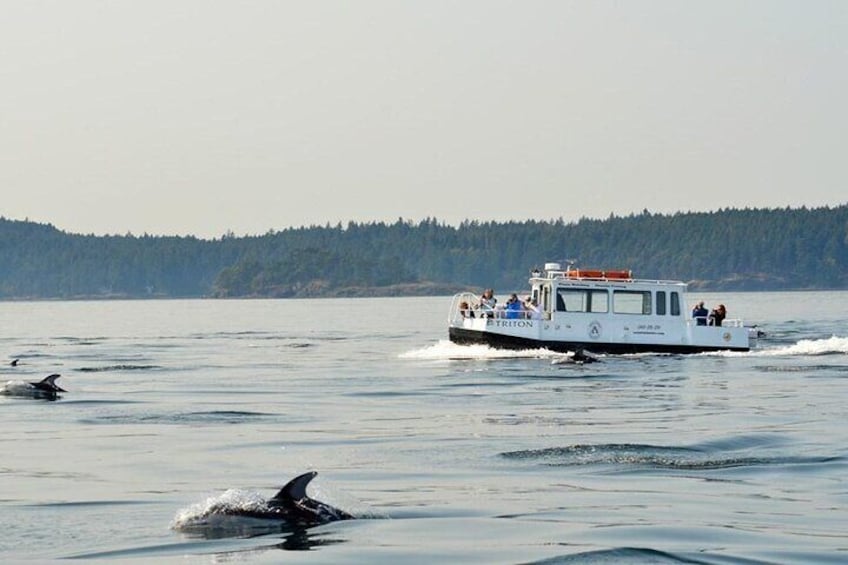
[(211, 417), (198, 547), (76, 340), (653, 456), (99, 402), (170, 550), (588, 454), (791, 368), (447, 350), (517, 420), (742, 442), (90, 503), (119, 368), (622, 555)]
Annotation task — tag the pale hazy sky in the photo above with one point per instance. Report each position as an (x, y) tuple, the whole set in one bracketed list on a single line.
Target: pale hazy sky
[(199, 117)]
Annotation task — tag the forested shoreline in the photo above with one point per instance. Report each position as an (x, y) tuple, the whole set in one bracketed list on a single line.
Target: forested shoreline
[(731, 249)]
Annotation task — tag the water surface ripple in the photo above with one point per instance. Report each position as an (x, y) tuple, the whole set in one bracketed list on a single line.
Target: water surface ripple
[(443, 453)]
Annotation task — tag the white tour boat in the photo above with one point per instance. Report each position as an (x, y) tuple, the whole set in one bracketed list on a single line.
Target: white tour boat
[(599, 311)]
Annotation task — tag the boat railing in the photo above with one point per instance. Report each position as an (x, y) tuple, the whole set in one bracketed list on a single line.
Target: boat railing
[(603, 276), (464, 305), (727, 323)]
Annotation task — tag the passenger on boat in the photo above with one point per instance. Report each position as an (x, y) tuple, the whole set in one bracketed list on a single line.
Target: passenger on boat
[(532, 308), (699, 312), (465, 310), (514, 310), (717, 315), (488, 303)]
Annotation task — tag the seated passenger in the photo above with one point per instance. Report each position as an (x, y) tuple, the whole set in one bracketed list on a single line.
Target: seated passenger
[(699, 312)]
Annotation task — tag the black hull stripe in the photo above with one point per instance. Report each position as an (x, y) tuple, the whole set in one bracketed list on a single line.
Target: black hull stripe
[(462, 336)]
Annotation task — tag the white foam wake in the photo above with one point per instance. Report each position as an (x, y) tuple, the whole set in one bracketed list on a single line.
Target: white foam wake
[(830, 346), (447, 350)]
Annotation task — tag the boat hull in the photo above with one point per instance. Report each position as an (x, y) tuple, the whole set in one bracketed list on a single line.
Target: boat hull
[(466, 336)]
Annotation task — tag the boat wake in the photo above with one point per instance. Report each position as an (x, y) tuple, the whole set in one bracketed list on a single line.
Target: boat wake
[(834, 345), (831, 346), (446, 350)]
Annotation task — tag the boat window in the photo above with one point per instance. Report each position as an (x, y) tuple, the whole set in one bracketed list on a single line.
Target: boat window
[(571, 300), (581, 300), (598, 301), (631, 302), (675, 304), (660, 303)]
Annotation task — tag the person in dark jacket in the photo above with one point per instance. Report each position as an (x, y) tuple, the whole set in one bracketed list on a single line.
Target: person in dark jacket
[(699, 312), (718, 315)]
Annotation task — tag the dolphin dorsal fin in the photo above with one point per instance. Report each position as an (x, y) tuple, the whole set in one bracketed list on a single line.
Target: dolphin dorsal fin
[(50, 379), (295, 489), (48, 384)]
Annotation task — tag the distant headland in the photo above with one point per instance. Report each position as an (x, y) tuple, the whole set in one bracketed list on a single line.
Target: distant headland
[(728, 250)]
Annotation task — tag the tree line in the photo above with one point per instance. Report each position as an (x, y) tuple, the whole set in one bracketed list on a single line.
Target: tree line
[(728, 249)]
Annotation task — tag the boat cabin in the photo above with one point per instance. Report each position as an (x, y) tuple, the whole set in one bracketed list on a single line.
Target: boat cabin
[(602, 292), (602, 311)]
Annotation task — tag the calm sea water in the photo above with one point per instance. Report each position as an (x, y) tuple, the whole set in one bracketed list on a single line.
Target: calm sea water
[(446, 453)]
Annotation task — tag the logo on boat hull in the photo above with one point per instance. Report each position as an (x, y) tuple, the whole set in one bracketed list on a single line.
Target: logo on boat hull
[(509, 323), (594, 330)]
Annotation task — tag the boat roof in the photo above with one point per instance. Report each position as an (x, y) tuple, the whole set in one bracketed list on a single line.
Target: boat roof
[(596, 277)]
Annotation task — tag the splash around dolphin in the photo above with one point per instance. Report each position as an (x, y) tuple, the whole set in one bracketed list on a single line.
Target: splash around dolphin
[(579, 357), (291, 507), (46, 388)]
